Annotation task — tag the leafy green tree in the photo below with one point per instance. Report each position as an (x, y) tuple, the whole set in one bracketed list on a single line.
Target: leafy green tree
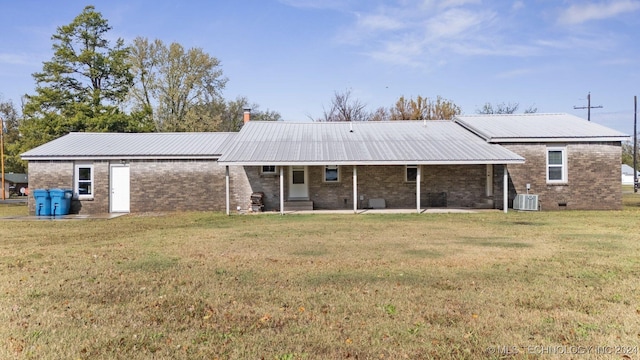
[(11, 122), (83, 87), (627, 152), (225, 116), (174, 85)]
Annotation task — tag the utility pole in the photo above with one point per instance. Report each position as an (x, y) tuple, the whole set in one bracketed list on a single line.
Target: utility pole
[(588, 107), (2, 157), (635, 143)]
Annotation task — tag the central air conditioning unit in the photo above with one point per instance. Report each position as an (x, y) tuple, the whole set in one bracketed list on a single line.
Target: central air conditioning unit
[(526, 202)]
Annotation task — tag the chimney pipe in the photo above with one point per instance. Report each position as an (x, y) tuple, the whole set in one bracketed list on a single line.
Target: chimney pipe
[(247, 114)]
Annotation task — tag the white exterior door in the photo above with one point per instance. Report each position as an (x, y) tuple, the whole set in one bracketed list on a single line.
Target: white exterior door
[(298, 183), (120, 189)]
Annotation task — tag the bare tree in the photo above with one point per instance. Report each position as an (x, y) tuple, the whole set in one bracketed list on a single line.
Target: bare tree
[(381, 114), (505, 108), (344, 108)]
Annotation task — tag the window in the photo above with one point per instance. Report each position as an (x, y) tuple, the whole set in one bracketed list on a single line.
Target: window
[(556, 165), (331, 173), (83, 185), (269, 170), (411, 173)]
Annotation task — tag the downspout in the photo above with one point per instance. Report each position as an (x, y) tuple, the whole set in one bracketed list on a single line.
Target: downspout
[(505, 189), (355, 189), (418, 188), (281, 190), (226, 180)]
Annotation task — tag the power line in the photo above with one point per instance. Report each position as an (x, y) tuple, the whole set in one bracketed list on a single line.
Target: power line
[(588, 107)]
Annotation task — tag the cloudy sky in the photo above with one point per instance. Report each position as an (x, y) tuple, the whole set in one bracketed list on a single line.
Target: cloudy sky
[(291, 56)]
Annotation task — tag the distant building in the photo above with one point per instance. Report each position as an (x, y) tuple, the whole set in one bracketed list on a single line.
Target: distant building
[(16, 184), (627, 175)]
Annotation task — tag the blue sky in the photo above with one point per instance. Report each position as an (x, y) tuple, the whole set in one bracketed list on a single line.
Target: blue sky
[(292, 55)]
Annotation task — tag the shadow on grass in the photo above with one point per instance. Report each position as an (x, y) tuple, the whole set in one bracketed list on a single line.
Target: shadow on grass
[(493, 242)]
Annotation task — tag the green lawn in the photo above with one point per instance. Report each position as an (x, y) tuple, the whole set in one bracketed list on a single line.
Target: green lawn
[(207, 286)]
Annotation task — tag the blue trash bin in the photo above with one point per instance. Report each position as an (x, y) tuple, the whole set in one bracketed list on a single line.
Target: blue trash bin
[(43, 202), (60, 201)]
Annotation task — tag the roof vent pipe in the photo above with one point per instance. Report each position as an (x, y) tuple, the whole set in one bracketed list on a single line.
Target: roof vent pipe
[(350, 126), (247, 114)]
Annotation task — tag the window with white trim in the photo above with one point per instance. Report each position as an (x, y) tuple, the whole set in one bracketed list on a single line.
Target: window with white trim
[(83, 181), (268, 170), (411, 173), (331, 173), (556, 165)]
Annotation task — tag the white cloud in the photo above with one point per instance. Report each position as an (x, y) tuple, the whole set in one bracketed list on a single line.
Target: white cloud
[(14, 59), (425, 33), (377, 22), (517, 5), (456, 23), (580, 13)]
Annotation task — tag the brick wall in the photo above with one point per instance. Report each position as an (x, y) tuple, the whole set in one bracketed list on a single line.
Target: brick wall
[(59, 174), (593, 176), (170, 185), (155, 185)]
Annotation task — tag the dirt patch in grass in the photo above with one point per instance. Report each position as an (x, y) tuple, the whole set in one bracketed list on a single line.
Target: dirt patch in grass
[(204, 285)]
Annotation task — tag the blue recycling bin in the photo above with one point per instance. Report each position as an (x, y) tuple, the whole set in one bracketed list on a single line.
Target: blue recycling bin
[(60, 201), (43, 202)]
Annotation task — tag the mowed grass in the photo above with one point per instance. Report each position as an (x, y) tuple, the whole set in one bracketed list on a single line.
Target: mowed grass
[(208, 286)]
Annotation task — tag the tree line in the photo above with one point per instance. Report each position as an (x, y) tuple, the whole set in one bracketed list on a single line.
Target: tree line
[(93, 85)]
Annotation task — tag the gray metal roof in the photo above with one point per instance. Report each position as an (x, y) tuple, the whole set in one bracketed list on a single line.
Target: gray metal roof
[(355, 143), (132, 145), (538, 127), (627, 170), (16, 178)]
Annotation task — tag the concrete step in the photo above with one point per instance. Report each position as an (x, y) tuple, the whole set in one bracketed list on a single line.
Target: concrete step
[(297, 205)]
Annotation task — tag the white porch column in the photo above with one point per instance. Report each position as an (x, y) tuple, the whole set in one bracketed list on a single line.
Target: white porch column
[(355, 189), (505, 189), (418, 188), (281, 190), (226, 182)]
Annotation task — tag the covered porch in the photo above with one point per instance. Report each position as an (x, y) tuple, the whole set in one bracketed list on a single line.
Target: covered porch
[(358, 166), (358, 188)]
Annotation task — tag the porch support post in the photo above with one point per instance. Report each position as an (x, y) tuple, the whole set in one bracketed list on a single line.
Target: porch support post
[(505, 189), (281, 190), (226, 183), (355, 189), (418, 188)]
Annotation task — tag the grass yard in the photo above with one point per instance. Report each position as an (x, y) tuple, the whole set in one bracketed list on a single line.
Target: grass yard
[(207, 286)]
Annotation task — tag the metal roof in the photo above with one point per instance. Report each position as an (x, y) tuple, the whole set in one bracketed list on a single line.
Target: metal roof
[(82, 145), (538, 127), (366, 143), (16, 178), (627, 170)]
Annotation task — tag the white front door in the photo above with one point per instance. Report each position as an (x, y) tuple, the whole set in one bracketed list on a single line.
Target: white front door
[(298, 183), (120, 188)]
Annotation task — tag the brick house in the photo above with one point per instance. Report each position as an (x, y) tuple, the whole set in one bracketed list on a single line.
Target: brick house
[(111, 172), (570, 163), (471, 162)]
